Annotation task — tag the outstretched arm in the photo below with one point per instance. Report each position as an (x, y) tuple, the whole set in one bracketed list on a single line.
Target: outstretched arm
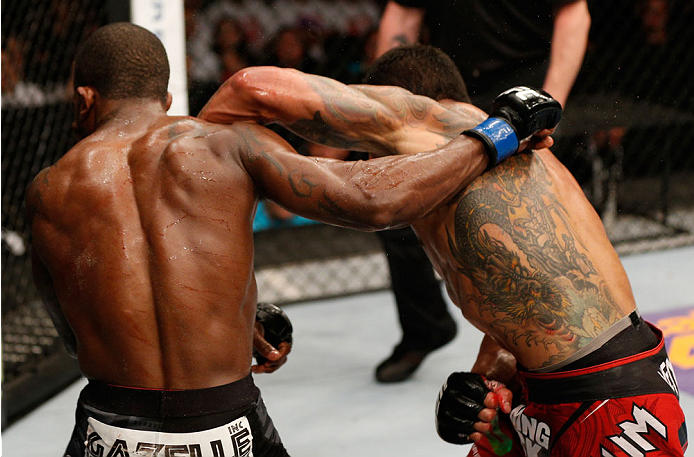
[(387, 192), (381, 120), (376, 119)]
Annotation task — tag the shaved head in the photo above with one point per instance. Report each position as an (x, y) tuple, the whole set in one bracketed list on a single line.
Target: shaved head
[(123, 61)]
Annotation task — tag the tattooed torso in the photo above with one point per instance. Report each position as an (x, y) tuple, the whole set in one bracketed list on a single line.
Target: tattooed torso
[(526, 277)]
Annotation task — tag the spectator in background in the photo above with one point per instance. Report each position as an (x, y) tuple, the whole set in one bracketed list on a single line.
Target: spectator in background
[(357, 66), (658, 46), (504, 44), (258, 19), (288, 49), (16, 92), (231, 47), (48, 62)]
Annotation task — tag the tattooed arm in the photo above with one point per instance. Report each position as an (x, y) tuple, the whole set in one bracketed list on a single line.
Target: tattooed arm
[(376, 119), (377, 194)]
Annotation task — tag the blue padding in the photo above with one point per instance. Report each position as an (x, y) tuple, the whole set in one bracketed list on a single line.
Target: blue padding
[(502, 135), (263, 220)]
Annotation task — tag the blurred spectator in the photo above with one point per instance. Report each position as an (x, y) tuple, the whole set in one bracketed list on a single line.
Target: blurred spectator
[(256, 17), (231, 47), (292, 13), (288, 49), (16, 92), (356, 17), (655, 15), (656, 47), (39, 52), (363, 58), (642, 50), (49, 60)]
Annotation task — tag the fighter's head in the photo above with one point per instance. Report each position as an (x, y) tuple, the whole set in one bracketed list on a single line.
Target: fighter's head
[(120, 61), (421, 69)]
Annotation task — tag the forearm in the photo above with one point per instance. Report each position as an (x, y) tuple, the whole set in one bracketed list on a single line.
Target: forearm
[(399, 26), (378, 194), (569, 41), (401, 190)]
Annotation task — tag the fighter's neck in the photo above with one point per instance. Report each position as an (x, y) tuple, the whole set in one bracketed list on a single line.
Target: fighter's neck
[(124, 113)]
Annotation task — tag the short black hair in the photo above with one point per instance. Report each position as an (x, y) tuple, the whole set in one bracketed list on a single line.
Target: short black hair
[(123, 60), (421, 69)]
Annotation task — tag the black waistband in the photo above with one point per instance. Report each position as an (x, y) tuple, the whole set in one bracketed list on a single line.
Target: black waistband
[(636, 338), (647, 372), (238, 395)]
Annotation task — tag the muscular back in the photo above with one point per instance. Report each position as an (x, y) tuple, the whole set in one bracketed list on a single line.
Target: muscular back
[(147, 238), (528, 261)]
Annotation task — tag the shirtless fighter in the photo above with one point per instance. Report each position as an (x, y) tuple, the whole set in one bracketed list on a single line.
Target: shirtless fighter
[(143, 250), (522, 253)]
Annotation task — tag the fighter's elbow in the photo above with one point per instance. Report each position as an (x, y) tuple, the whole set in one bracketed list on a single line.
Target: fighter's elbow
[(381, 213), (361, 210), (244, 84), (377, 220), (574, 17), (258, 83), (583, 18)]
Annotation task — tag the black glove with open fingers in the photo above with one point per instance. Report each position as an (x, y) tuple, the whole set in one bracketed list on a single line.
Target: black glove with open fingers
[(457, 408), (276, 325), (517, 114)]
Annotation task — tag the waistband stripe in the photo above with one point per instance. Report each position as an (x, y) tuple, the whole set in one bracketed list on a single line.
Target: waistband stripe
[(144, 402), (602, 366), (640, 374)]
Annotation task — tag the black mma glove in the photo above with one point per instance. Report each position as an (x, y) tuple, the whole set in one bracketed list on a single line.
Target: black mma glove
[(278, 328), (459, 403), (517, 114)]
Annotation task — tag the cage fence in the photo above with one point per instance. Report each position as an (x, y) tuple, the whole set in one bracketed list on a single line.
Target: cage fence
[(627, 135)]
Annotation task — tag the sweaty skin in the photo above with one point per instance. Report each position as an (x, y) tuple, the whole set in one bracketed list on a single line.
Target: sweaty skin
[(143, 242), (522, 252)]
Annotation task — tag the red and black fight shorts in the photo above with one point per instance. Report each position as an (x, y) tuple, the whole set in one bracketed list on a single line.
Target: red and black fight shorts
[(628, 407)]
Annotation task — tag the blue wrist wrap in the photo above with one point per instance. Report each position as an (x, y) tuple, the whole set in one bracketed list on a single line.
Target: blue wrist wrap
[(501, 134)]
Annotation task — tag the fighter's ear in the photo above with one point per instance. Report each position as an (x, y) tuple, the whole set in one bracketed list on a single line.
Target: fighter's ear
[(86, 97), (169, 100)]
